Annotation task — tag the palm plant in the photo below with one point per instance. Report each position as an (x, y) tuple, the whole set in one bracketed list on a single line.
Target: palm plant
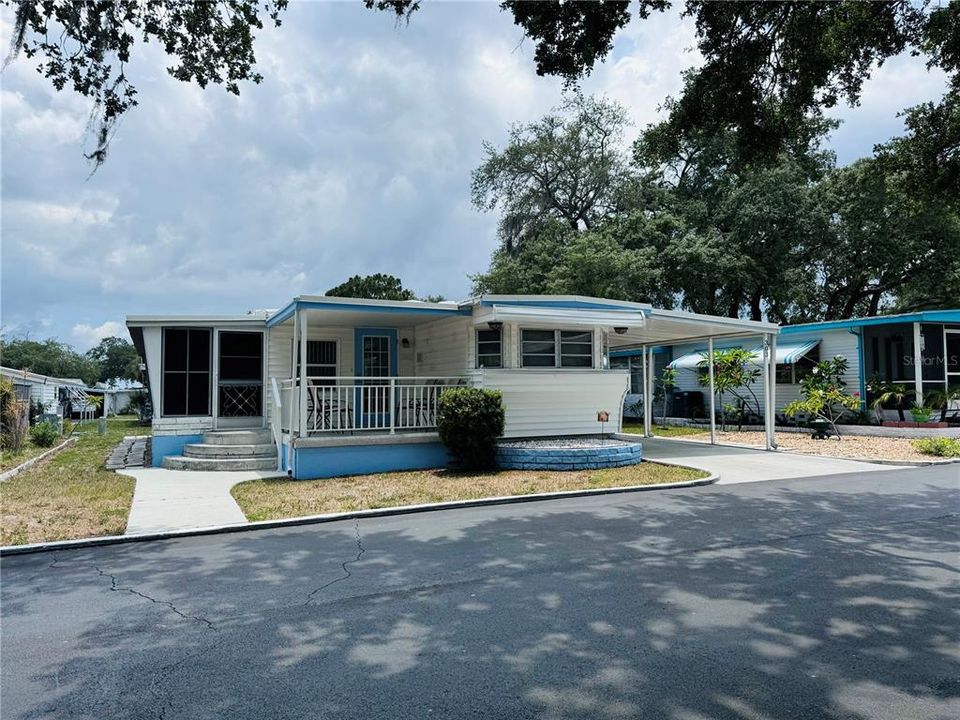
[(941, 399), (896, 393)]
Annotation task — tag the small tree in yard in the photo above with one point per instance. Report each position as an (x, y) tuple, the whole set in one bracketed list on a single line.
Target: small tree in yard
[(469, 421), (667, 381), (896, 393), (734, 372), (16, 424), (824, 394)]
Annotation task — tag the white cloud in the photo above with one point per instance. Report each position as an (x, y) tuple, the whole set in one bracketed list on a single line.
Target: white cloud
[(86, 336)]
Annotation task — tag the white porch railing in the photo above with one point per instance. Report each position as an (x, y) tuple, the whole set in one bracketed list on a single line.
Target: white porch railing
[(356, 404)]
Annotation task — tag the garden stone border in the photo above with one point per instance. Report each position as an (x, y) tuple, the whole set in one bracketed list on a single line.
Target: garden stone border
[(34, 460)]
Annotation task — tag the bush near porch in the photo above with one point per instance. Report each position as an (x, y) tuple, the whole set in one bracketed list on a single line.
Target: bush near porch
[(70, 495), (279, 498)]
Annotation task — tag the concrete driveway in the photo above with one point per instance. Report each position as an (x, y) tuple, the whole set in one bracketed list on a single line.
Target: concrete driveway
[(738, 464)]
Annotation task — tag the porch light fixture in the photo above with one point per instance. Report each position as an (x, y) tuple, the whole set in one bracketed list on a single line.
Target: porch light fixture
[(620, 330), (404, 343), (495, 325)]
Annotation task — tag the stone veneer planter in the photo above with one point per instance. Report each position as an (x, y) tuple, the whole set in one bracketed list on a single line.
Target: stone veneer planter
[(567, 454)]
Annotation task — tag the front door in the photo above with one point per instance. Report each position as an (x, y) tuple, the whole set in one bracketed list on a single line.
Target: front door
[(239, 379), (375, 362)]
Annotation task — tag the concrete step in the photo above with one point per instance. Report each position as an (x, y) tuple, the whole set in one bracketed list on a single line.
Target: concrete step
[(226, 452), (180, 462), (238, 437)]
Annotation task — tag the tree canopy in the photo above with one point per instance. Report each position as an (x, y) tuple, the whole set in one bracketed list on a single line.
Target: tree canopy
[(113, 359), (372, 287), (88, 46), (698, 225), (768, 67)]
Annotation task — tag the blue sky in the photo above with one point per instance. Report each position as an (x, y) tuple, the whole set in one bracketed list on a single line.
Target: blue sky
[(353, 156)]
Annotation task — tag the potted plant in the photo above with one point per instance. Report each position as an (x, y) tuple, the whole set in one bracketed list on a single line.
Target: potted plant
[(920, 414)]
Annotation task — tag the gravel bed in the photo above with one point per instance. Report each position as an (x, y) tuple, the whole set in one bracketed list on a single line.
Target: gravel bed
[(576, 442), (858, 447)]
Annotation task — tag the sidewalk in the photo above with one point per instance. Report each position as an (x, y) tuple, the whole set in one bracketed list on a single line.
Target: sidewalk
[(183, 500)]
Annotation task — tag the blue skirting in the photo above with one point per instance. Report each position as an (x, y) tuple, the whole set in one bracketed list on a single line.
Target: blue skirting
[(163, 445), (325, 462)]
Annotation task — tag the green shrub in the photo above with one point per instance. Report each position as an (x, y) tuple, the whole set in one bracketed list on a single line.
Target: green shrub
[(939, 446), (44, 434), (469, 421), (67, 427)]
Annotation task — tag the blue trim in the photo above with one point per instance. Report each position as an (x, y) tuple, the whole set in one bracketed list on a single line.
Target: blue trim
[(925, 316), (569, 304), (289, 309), (327, 462), (861, 368), (358, 335), (162, 446)]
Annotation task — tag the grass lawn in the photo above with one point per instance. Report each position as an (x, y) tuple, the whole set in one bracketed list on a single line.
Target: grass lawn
[(70, 495), (280, 498), (664, 430), (9, 460)]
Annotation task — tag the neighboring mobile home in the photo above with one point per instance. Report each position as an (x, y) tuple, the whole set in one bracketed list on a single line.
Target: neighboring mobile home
[(333, 386), (920, 350)]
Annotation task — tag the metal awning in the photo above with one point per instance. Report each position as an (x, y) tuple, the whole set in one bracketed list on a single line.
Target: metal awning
[(561, 316), (787, 354)]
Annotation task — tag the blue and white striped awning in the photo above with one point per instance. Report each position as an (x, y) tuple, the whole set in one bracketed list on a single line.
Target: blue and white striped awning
[(787, 354)]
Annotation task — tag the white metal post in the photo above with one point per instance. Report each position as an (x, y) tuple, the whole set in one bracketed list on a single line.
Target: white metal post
[(768, 359), (646, 386), (393, 393), (713, 409), (772, 392), (650, 387), (918, 364), (302, 429)]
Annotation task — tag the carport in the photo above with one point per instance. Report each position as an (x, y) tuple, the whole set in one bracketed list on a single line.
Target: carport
[(671, 327)]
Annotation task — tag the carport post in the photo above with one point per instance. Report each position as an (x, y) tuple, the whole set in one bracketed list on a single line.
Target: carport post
[(713, 409), (771, 393), (646, 394), (302, 421), (651, 379)]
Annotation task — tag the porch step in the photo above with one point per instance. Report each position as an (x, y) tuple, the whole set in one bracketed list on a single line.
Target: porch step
[(206, 463), (238, 437), (226, 452)]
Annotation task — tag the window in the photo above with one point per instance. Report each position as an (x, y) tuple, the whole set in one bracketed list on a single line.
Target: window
[(556, 348), (321, 360), (376, 356), (489, 348), (793, 373), (186, 371)]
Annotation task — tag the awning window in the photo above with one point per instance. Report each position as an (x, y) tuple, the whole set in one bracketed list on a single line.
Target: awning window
[(788, 353)]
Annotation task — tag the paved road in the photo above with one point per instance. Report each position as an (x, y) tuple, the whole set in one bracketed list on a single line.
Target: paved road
[(805, 599)]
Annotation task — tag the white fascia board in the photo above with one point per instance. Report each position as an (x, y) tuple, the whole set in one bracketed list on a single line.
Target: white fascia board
[(745, 326), (560, 316), (195, 320)]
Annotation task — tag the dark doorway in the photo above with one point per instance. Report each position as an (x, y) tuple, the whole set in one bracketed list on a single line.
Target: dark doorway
[(240, 380)]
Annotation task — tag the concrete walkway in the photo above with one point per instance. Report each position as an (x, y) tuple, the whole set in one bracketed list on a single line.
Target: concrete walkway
[(183, 500), (738, 464)]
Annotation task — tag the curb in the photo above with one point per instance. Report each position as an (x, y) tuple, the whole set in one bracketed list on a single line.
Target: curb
[(7, 550), (34, 460)]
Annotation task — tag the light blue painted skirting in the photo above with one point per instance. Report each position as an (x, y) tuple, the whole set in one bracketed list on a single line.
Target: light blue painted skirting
[(164, 445), (326, 462)]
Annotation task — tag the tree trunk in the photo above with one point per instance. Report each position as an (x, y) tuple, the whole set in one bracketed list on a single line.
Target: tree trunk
[(755, 305)]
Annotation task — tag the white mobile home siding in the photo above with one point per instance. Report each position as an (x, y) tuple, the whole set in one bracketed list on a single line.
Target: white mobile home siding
[(832, 342), (443, 348), (557, 402)]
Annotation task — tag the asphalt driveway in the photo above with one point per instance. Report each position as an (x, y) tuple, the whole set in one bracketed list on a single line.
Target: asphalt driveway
[(821, 598)]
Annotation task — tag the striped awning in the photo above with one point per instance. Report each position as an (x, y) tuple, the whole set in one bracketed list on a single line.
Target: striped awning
[(787, 354)]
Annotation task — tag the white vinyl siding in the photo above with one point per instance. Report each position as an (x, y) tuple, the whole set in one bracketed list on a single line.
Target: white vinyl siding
[(557, 402), (443, 348)]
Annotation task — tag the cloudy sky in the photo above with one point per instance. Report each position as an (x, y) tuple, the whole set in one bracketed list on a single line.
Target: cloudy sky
[(353, 156)]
